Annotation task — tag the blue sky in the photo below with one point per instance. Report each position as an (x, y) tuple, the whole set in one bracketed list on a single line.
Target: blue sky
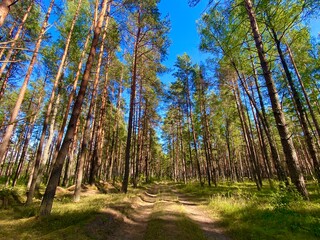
[(184, 36)]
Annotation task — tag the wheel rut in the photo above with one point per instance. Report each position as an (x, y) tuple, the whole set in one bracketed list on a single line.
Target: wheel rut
[(160, 212)]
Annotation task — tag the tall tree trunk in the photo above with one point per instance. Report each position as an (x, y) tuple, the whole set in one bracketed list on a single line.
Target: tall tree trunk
[(38, 164), (115, 133), (81, 159), (313, 116), (247, 137), (15, 111), (34, 116), (131, 110), (71, 96), (139, 138), (96, 159), (265, 123), (300, 110), (182, 150), (15, 38), (47, 201), (194, 138), (286, 139)]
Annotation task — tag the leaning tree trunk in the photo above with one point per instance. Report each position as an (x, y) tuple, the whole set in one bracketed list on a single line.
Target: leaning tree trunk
[(314, 118), (300, 109), (15, 111), (274, 153), (71, 96), (286, 139), (47, 201), (247, 137), (96, 160), (33, 119), (266, 126), (38, 164), (15, 38)]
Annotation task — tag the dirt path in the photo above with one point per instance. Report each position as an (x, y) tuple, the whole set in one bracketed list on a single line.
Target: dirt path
[(196, 213), (160, 212)]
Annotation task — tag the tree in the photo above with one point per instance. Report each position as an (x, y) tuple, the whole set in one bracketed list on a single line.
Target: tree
[(5, 8), (149, 34), (47, 201), (15, 111), (286, 140), (57, 80)]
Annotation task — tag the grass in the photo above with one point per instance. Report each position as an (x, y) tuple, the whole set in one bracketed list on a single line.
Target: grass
[(68, 220), (245, 213), (268, 214)]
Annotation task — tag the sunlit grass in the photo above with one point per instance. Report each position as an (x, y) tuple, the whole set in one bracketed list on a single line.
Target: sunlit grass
[(245, 213), (67, 220), (273, 213)]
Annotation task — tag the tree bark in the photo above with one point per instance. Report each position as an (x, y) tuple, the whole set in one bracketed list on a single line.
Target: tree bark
[(15, 111), (38, 163), (15, 38), (47, 201), (131, 110), (314, 119), (300, 110), (96, 160), (71, 96), (5, 9), (286, 140)]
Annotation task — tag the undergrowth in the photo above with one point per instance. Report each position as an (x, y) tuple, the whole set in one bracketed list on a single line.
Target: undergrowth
[(276, 212), (68, 220)]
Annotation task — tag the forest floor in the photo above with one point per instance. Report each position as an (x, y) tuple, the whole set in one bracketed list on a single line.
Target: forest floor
[(165, 211), (159, 212)]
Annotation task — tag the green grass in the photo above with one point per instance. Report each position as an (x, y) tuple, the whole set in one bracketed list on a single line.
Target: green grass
[(269, 214), (245, 213), (68, 220)]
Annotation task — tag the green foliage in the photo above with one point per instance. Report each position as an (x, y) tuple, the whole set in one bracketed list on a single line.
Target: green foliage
[(9, 197), (284, 197)]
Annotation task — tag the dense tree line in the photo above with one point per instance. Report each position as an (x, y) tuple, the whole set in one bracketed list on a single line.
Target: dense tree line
[(80, 93), (257, 117), (65, 122)]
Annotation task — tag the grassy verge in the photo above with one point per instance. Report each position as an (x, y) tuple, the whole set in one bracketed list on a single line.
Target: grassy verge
[(273, 213)]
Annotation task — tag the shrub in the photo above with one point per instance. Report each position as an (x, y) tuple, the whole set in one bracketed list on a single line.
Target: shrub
[(284, 197)]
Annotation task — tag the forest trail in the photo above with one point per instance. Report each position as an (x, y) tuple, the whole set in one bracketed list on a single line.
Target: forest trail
[(160, 212)]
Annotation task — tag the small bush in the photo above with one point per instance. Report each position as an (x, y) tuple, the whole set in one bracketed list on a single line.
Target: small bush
[(284, 197), (9, 197)]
